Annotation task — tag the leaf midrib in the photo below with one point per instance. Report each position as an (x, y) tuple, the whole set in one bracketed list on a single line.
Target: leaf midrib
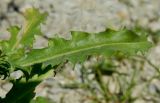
[(78, 50)]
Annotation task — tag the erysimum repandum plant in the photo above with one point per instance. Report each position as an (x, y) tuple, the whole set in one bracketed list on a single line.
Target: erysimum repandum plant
[(37, 64)]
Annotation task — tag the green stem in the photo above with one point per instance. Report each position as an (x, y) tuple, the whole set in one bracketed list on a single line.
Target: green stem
[(106, 93)]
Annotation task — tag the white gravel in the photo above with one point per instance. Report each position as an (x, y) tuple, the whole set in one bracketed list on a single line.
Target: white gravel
[(91, 16)]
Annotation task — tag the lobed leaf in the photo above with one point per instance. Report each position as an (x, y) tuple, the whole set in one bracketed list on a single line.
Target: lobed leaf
[(24, 37), (82, 44), (32, 26)]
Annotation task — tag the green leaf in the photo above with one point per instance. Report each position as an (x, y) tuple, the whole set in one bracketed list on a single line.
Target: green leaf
[(32, 26), (22, 38), (21, 92), (25, 36), (105, 68), (4, 66), (7, 45), (14, 30), (41, 100), (82, 44)]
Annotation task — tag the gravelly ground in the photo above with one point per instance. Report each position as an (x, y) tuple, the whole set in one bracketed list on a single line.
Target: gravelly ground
[(91, 16)]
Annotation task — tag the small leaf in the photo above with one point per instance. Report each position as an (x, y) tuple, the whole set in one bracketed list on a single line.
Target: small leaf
[(32, 26), (25, 37), (106, 68), (41, 100)]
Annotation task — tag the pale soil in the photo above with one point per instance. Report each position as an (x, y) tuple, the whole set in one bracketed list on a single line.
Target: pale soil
[(91, 16)]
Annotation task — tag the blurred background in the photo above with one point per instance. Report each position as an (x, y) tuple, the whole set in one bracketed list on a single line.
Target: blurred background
[(99, 80)]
